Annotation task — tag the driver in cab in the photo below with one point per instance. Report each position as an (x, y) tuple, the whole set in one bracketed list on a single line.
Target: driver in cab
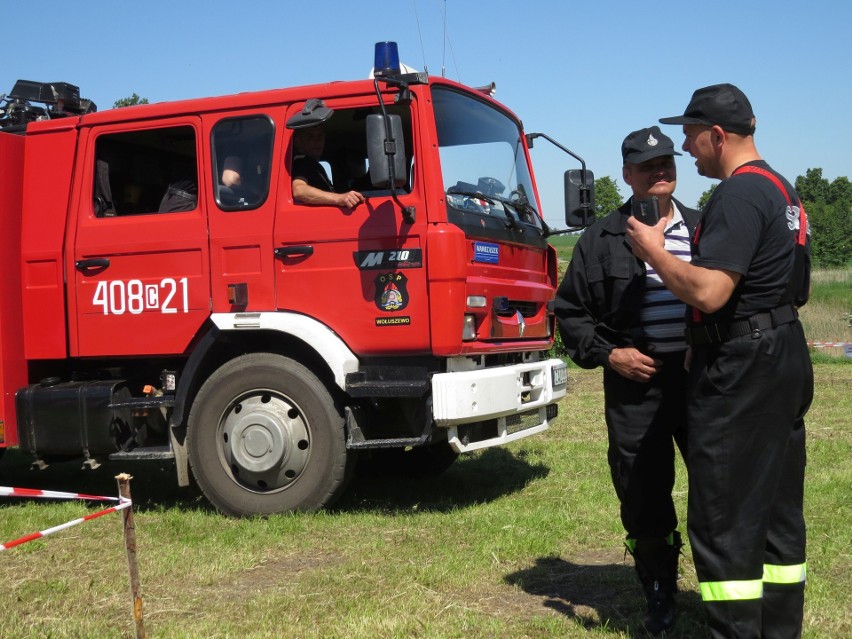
[(311, 184)]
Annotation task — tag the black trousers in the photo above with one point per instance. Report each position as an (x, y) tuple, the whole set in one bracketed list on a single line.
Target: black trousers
[(643, 422), (746, 463)]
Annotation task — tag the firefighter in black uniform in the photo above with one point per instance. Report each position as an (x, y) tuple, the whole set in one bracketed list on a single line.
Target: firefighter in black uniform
[(311, 184), (751, 379), (615, 313)]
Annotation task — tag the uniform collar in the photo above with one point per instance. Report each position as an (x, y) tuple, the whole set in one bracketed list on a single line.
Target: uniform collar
[(677, 218)]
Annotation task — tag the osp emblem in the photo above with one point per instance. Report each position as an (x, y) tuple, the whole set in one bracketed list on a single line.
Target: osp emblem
[(652, 141), (391, 291)]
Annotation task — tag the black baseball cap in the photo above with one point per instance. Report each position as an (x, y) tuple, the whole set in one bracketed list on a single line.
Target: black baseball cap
[(313, 113), (646, 144), (719, 104)]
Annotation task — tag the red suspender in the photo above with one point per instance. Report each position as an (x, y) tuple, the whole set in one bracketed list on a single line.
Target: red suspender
[(801, 236)]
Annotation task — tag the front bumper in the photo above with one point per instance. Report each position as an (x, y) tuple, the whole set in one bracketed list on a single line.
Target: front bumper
[(487, 407)]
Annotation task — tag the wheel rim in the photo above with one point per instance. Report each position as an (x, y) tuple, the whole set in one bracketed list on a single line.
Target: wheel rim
[(265, 441)]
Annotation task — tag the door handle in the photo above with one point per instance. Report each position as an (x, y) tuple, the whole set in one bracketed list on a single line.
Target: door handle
[(91, 263), (292, 251)]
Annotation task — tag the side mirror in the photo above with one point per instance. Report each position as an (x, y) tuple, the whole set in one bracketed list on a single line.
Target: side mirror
[(579, 198), (386, 151)]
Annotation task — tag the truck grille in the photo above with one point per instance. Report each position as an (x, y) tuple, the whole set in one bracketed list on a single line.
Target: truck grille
[(527, 309)]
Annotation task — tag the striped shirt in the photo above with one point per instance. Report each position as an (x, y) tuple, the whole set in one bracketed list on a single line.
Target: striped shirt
[(662, 317)]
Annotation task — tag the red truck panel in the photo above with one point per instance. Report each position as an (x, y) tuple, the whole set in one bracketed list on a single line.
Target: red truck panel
[(49, 167), (12, 365)]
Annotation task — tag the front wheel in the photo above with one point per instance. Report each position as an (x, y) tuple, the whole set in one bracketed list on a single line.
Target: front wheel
[(265, 436)]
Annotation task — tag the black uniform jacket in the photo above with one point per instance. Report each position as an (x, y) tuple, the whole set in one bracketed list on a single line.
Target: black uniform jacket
[(599, 301)]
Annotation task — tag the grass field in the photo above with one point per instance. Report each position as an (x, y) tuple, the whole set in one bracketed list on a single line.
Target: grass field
[(828, 315), (516, 542)]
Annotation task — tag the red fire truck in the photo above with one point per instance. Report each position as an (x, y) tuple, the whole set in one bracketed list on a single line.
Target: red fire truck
[(154, 309)]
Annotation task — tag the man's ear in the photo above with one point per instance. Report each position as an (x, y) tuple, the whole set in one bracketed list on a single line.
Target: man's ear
[(625, 174)]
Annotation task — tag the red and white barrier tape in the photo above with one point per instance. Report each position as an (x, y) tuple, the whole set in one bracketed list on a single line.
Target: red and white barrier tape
[(6, 491), (53, 494), (828, 344)]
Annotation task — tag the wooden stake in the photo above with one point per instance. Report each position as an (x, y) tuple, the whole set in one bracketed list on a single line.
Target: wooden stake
[(130, 546)]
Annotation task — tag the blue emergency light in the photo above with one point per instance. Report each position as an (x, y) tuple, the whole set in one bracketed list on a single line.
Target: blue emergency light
[(386, 59)]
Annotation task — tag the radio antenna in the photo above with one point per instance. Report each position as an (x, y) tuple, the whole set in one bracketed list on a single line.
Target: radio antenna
[(444, 53), (420, 33), (444, 50)]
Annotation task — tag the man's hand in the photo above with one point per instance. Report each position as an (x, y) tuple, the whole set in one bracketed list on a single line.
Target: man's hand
[(307, 194), (707, 289), (630, 363), (350, 199), (646, 240)]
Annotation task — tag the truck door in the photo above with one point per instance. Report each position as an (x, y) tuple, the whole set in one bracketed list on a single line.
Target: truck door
[(241, 209), (360, 271), (139, 268)]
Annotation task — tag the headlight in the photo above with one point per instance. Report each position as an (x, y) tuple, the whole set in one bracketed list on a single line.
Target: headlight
[(469, 328)]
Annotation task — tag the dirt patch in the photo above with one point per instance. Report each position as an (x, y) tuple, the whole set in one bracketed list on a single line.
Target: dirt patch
[(282, 571), (270, 574), (594, 588)]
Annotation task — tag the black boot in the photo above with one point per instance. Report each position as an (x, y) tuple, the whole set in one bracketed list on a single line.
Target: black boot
[(656, 565)]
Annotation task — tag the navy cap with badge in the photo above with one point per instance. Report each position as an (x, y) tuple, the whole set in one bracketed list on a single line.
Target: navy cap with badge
[(646, 144), (719, 104)]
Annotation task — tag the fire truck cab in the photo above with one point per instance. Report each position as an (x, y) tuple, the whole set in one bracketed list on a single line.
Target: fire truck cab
[(167, 296)]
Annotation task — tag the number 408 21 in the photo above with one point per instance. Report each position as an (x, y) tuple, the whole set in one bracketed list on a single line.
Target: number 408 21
[(117, 297)]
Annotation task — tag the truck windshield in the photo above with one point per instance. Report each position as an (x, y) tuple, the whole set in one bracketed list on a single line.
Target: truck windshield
[(486, 177)]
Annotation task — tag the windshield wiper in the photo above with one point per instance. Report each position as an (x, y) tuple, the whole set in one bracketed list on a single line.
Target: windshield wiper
[(511, 222), (491, 199), (477, 194), (518, 205), (522, 205)]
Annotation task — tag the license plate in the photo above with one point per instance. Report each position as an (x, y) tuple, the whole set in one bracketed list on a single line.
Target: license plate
[(560, 375)]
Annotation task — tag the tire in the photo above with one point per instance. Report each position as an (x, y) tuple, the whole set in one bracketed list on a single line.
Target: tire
[(265, 436)]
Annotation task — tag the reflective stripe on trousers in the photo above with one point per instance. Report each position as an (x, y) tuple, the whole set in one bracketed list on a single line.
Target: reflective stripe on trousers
[(752, 588), (785, 574)]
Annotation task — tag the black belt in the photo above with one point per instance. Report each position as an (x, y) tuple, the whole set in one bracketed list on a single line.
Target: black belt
[(698, 334)]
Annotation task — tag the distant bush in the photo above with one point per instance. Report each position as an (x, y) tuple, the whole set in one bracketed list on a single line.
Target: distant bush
[(831, 230)]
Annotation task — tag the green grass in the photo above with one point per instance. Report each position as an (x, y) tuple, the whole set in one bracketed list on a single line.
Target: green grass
[(826, 317), (522, 541), (564, 245), (833, 286)]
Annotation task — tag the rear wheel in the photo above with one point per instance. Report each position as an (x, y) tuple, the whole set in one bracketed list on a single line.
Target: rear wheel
[(265, 436)]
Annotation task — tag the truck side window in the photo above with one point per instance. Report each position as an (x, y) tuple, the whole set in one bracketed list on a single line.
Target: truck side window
[(242, 157), (151, 171), (344, 154)]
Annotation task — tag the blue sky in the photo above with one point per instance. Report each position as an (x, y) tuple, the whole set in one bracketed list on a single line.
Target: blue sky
[(586, 73)]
